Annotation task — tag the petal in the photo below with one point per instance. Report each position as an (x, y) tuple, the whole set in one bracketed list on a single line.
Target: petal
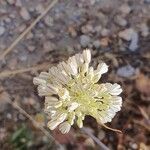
[(101, 69), (79, 59), (73, 65), (53, 124), (38, 81), (71, 118), (84, 67), (64, 127), (79, 122), (45, 91), (87, 55), (63, 93), (44, 75), (73, 106), (113, 89)]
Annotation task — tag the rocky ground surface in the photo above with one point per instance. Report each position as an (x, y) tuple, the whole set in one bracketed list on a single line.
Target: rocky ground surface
[(117, 32)]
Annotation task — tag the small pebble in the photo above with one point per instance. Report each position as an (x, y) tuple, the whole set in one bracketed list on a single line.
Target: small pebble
[(134, 42), (2, 30), (21, 28), (134, 146), (48, 46), (96, 44), (92, 2), (101, 135), (120, 21), (104, 42), (9, 116), (22, 56), (126, 34), (126, 71), (72, 31), (84, 40), (48, 20), (125, 9), (11, 2), (147, 1), (18, 3), (40, 9), (31, 48), (8, 20), (87, 28), (12, 63), (98, 29), (105, 32), (29, 36), (24, 13), (144, 30), (89, 142)]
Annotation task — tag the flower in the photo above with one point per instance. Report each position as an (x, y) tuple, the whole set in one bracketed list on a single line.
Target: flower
[(71, 92)]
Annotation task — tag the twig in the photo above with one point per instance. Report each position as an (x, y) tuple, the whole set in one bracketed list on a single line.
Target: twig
[(14, 72), (21, 36), (14, 104), (101, 145)]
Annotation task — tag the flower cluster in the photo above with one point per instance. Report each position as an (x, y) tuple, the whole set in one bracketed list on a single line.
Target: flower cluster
[(71, 92)]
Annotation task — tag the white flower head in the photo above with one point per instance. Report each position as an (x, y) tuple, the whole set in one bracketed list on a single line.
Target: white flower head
[(71, 92)]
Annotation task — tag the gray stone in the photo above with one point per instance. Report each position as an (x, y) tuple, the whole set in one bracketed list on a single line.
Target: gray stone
[(87, 29), (11, 2), (147, 1), (126, 34), (98, 28), (24, 13), (134, 42), (126, 71), (40, 8), (120, 21), (84, 40), (48, 46), (125, 9), (2, 30), (96, 43), (144, 30), (31, 48), (48, 20), (18, 3), (105, 32)]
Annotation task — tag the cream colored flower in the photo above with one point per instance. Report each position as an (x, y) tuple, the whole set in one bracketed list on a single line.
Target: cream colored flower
[(71, 92)]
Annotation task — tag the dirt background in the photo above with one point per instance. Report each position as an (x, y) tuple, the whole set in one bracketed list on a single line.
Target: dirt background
[(116, 31)]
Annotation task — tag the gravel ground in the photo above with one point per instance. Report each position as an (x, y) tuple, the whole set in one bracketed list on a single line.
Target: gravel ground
[(117, 32)]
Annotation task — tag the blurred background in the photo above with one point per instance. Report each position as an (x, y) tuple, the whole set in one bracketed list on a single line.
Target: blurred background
[(116, 31)]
